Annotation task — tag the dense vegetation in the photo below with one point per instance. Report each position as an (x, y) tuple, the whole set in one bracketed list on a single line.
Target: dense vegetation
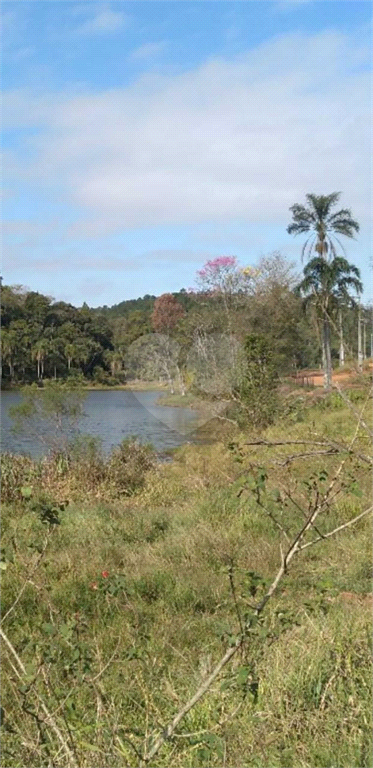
[(45, 339), (125, 582)]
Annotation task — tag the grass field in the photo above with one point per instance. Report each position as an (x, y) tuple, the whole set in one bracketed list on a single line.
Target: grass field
[(118, 606)]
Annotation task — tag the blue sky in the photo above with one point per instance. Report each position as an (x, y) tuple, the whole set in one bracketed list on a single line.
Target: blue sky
[(142, 138)]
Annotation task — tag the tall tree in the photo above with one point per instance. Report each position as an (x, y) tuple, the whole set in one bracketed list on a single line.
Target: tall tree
[(38, 353), (328, 284), (323, 225), (166, 314), (8, 349)]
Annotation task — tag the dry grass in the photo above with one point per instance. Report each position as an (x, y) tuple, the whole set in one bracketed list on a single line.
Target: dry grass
[(115, 656)]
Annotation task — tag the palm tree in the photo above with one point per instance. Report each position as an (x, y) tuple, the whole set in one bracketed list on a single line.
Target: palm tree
[(8, 349), (327, 285), (115, 360), (71, 353), (38, 353), (323, 225)]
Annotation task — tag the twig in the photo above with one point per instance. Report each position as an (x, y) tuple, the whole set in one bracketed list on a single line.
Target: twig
[(273, 443), (333, 446), (49, 719), (37, 563), (168, 731), (353, 409), (101, 672), (336, 530), (323, 697), (294, 501), (295, 456), (233, 590)]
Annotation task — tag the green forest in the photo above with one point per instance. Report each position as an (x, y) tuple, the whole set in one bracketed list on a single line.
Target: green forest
[(314, 319), (42, 338)]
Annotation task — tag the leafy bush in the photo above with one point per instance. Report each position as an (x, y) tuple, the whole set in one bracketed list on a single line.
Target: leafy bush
[(17, 473), (80, 468), (257, 391), (128, 465), (50, 413)]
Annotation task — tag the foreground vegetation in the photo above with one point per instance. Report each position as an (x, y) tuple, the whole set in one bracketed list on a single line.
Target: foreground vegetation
[(119, 599)]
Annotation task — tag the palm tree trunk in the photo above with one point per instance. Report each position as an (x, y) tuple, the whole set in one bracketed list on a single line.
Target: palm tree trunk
[(359, 349), (341, 342), (327, 357)]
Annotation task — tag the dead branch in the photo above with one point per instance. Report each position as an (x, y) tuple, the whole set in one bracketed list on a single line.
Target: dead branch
[(272, 443), (27, 581), (336, 530), (49, 720), (295, 456), (353, 409)]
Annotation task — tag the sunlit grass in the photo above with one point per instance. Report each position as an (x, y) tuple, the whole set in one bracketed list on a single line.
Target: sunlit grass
[(131, 607)]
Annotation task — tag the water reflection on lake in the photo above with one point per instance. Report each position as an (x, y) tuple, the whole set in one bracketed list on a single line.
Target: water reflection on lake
[(112, 416)]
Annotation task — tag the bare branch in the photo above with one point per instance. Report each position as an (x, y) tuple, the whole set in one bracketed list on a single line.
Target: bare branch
[(49, 719), (334, 446), (295, 456), (272, 443), (336, 530), (353, 409), (36, 565), (168, 731)]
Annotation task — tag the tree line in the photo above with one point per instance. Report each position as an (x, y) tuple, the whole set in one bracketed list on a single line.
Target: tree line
[(306, 321)]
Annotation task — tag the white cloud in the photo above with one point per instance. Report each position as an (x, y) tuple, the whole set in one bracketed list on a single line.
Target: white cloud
[(241, 139), (147, 51), (105, 20)]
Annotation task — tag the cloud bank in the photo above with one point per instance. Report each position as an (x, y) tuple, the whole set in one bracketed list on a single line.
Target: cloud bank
[(235, 138)]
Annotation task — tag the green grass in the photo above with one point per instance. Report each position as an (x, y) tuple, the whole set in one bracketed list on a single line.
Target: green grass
[(115, 656)]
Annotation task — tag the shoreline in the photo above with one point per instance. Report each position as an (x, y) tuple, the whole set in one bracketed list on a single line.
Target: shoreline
[(136, 386)]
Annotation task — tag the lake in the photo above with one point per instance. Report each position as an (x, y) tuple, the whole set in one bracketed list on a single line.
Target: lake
[(112, 416)]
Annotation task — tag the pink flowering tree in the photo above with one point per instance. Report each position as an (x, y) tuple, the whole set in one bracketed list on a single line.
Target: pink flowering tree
[(218, 275), (223, 287), (223, 278)]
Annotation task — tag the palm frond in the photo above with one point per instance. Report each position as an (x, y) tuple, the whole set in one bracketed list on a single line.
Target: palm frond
[(310, 245), (343, 213), (331, 239), (321, 204)]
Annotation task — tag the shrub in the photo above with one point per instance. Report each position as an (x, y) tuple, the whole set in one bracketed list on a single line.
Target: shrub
[(17, 473), (257, 391), (128, 464)]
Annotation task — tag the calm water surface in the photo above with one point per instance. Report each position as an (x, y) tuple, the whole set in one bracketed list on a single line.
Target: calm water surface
[(112, 416)]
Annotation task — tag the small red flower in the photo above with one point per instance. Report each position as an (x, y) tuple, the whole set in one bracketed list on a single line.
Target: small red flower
[(94, 585), (105, 574)]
